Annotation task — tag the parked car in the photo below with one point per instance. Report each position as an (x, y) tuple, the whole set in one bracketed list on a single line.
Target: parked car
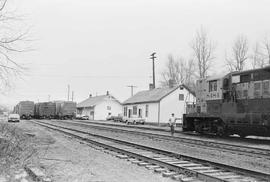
[(134, 121), (14, 118), (78, 117), (85, 117), (118, 118)]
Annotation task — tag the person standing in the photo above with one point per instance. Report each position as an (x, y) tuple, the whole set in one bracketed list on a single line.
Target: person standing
[(172, 123)]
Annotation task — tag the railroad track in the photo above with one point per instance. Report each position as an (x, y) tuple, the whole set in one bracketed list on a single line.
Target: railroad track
[(177, 166), (231, 148)]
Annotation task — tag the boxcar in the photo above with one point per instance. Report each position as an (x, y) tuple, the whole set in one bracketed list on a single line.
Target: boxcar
[(65, 109), (45, 110), (25, 109)]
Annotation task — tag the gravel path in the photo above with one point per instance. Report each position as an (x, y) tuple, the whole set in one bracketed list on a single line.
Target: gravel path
[(68, 160), (229, 158)]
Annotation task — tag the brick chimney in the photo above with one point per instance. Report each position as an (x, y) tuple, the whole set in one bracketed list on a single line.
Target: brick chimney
[(151, 86), (107, 93)]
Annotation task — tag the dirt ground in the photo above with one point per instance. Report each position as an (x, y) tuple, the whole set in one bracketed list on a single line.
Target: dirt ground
[(65, 159)]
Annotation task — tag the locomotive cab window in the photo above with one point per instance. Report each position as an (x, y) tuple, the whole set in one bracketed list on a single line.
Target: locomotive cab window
[(245, 78), (213, 86)]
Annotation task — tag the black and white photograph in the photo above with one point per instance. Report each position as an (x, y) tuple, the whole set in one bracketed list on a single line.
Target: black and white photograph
[(134, 91)]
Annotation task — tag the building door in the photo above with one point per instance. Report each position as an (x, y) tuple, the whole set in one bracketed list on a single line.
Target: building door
[(140, 113), (129, 113), (92, 115)]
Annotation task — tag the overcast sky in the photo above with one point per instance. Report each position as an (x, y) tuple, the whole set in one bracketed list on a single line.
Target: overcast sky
[(100, 45)]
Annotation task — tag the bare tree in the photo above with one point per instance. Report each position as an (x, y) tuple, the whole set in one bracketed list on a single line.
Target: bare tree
[(178, 70), (239, 54), (12, 41), (190, 74), (203, 50), (171, 71), (258, 59), (266, 45)]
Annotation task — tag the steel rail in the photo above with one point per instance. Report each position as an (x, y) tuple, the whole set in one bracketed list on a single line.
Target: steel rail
[(240, 149), (205, 176)]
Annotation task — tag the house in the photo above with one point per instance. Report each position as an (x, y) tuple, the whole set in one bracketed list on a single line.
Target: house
[(99, 107), (157, 105)]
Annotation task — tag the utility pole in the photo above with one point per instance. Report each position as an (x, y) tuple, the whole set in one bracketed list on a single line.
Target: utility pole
[(68, 91), (132, 86), (153, 59), (72, 96)]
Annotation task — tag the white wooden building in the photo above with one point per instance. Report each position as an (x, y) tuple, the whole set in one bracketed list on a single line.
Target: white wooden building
[(157, 105), (99, 107)]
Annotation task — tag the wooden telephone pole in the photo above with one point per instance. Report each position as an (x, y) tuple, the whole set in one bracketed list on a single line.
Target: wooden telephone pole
[(153, 59), (132, 86)]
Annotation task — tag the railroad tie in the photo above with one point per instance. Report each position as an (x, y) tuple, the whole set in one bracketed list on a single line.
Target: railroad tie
[(136, 161), (177, 177), (179, 162), (188, 165), (151, 167), (211, 171), (168, 174), (122, 156), (143, 163), (160, 170), (188, 179), (200, 168)]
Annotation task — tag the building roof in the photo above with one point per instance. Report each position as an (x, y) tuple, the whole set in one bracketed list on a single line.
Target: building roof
[(154, 95), (267, 68), (93, 101)]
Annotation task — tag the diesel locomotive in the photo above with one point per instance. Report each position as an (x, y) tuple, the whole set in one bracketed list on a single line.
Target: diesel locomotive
[(235, 103)]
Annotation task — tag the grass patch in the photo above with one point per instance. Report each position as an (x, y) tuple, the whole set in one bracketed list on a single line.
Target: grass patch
[(16, 148)]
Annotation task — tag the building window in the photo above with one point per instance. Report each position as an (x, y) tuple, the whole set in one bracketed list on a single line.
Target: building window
[(257, 90), (146, 110), (181, 96), (134, 110), (125, 111), (213, 86), (109, 108), (266, 88)]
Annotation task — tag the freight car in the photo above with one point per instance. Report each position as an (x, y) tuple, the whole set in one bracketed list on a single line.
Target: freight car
[(25, 109), (45, 110), (236, 103), (65, 109)]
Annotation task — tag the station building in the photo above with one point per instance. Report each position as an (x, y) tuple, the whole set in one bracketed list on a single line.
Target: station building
[(157, 105), (99, 107)]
